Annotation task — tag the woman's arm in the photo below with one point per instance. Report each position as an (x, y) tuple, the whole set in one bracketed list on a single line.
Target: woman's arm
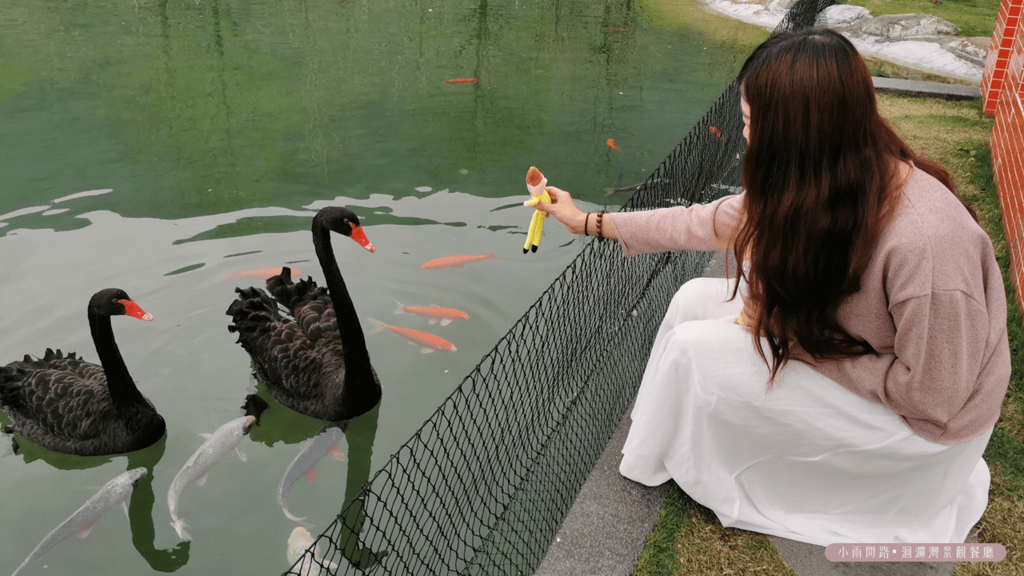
[(940, 352), (702, 227)]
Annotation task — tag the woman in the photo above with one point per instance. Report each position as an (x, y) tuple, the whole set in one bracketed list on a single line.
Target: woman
[(848, 394)]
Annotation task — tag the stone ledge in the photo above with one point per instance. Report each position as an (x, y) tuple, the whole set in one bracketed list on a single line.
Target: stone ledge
[(929, 89)]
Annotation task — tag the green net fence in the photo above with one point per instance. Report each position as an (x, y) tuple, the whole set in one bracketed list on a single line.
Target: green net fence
[(483, 486)]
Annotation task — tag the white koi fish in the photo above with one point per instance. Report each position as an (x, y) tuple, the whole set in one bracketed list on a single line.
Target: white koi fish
[(298, 547), (81, 522), (325, 443), (197, 467)]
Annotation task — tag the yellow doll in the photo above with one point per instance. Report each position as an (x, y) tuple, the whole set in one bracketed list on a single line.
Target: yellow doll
[(535, 183)]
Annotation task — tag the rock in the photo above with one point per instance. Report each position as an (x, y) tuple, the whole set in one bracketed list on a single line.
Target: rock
[(910, 45), (839, 15), (980, 42), (965, 49), (903, 26)]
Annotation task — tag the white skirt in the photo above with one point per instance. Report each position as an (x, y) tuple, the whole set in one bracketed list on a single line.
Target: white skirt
[(809, 461)]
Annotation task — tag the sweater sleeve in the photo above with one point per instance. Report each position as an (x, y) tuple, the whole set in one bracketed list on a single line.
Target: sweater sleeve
[(939, 349), (703, 227)]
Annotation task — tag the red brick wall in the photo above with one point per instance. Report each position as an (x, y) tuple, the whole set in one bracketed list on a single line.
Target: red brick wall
[(1007, 24), (1008, 142)]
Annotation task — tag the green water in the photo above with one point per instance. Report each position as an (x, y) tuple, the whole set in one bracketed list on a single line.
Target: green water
[(159, 145)]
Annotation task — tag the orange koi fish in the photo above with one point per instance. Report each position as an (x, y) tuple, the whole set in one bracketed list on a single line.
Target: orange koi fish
[(434, 313), (716, 132), (427, 342), (611, 143), (261, 274), (456, 261), (615, 29), (461, 80)]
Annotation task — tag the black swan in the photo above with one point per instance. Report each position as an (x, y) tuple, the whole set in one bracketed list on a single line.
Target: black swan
[(68, 405), (315, 362)]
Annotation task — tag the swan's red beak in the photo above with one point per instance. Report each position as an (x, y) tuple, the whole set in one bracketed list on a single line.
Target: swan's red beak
[(359, 236), (132, 309)]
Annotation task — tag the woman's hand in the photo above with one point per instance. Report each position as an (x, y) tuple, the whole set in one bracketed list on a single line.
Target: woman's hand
[(565, 211)]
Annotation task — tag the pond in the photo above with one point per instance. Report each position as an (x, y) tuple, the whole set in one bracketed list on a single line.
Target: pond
[(164, 146)]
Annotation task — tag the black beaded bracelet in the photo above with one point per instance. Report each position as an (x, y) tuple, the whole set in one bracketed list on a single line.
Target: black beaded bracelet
[(599, 234)]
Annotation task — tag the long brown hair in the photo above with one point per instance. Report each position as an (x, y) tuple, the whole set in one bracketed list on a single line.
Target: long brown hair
[(821, 177)]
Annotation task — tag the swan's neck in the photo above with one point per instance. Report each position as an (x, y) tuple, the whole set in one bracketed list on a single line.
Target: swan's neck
[(357, 359), (119, 381)]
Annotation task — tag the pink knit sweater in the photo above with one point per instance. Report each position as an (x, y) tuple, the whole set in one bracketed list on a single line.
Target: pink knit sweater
[(932, 304)]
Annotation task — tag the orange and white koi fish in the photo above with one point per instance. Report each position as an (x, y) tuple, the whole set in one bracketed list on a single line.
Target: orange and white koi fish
[(461, 80), (715, 132), (427, 342), (611, 143), (323, 445), (434, 313), (260, 274), (457, 261)]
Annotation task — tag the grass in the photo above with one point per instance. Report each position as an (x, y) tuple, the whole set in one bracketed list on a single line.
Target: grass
[(688, 539), (692, 15)]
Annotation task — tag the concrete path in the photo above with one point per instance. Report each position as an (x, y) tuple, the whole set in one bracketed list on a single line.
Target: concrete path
[(608, 524), (928, 89)]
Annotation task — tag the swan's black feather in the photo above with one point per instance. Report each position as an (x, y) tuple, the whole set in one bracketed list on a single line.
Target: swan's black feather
[(299, 355), (300, 361), (63, 403)]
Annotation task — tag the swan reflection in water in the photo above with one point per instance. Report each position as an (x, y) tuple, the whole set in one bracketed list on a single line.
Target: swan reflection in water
[(140, 505), (140, 514), (278, 424)]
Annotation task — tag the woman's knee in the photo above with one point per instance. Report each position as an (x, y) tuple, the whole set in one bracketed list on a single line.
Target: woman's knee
[(710, 339), (700, 299)]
